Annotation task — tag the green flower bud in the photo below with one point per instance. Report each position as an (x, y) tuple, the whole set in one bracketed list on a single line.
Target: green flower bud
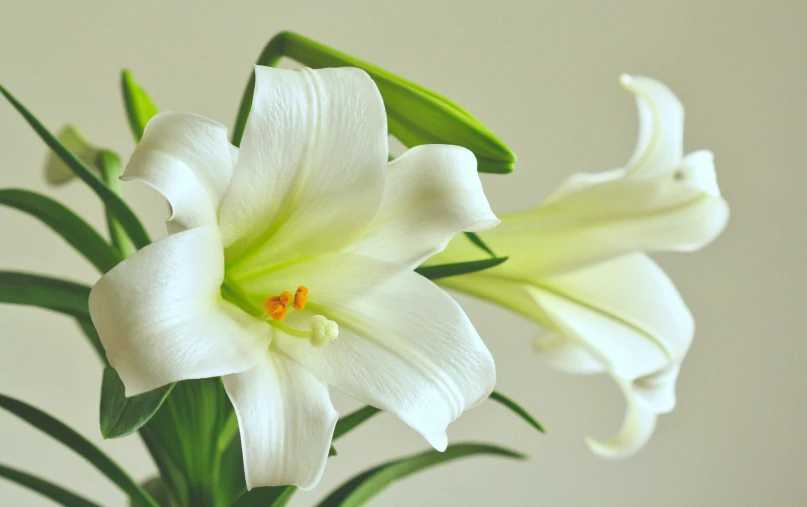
[(415, 114), (56, 171)]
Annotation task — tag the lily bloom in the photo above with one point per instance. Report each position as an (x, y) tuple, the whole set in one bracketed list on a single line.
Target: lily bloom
[(288, 268), (577, 265)]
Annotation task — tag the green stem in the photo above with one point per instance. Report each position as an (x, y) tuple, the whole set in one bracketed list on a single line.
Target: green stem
[(111, 169)]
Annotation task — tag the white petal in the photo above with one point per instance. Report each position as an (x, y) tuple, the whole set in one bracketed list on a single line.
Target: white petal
[(432, 192), (635, 291), (604, 221), (698, 170), (310, 171), (404, 345), (657, 390), (286, 421), (188, 159), (161, 318), (636, 430), (626, 311), (661, 128), (564, 354)]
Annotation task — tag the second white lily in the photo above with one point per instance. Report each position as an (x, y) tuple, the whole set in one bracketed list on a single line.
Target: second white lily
[(576, 265), (289, 268)]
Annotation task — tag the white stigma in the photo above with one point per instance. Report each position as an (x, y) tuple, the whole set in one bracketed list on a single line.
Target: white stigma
[(323, 330)]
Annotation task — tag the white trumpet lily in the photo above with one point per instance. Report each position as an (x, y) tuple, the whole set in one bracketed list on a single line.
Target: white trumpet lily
[(576, 265), (289, 268)]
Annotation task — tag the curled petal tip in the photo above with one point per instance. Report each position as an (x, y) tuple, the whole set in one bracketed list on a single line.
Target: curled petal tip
[(625, 80)]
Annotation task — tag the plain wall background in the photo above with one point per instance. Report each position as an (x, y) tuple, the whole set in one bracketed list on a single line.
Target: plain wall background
[(544, 76)]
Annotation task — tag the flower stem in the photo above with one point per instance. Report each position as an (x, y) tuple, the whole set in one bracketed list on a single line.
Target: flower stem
[(110, 167)]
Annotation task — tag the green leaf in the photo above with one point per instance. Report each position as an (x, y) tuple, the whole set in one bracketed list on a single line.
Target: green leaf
[(366, 485), (56, 171), (277, 496), (80, 446), (476, 240), (184, 439), (51, 293), (139, 106), (121, 416), (65, 223), (118, 207), (353, 419), (45, 488), (459, 268), (519, 411), (415, 114)]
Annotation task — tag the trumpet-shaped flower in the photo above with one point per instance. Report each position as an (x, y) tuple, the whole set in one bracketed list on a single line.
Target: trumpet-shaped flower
[(288, 268), (577, 265)]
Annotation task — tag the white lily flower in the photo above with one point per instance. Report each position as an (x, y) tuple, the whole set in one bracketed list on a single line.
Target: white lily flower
[(577, 265), (289, 268)]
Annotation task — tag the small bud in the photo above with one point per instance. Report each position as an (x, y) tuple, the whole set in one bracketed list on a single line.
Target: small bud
[(56, 171)]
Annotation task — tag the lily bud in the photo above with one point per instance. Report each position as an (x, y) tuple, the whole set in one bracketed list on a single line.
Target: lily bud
[(415, 115), (56, 171)]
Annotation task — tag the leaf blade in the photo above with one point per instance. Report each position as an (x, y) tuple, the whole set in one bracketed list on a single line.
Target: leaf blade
[(517, 409), (45, 292), (476, 240), (277, 496), (121, 416), (81, 446), (77, 232), (364, 486), (458, 268), (45, 488), (127, 218), (353, 419)]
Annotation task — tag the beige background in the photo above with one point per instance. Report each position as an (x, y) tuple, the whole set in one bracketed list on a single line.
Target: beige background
[(542, 75)]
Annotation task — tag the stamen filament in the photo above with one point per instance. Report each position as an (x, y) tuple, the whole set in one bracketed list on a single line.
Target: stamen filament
[(289, 330)]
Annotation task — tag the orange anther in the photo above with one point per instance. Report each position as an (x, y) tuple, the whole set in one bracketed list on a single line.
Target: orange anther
[(300, 297), (275, 307), (285, 297)]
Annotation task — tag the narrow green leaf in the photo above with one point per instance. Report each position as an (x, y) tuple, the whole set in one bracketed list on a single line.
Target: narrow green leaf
[(122, 212), (353, 419), (121, 416), (51, 293), (277, 496), (415, 114), (65, 223), (459, 268), (476, 240), (519, 411), (139, 106), (45, 488), (366, 485), (80, 446)]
